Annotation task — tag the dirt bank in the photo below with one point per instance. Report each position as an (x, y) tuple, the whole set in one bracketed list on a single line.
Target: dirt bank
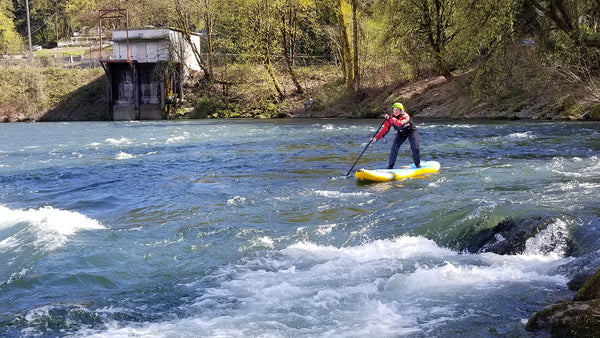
[(433, 97), (437, 97)]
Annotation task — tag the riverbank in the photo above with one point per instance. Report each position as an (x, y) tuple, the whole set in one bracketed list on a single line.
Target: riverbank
[(56, 94), (437, 97)]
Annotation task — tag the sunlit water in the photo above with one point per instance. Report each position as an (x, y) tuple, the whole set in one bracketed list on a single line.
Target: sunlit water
[(236, 228)]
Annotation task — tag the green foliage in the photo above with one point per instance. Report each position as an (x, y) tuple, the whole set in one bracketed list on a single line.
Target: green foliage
[(21, 91), (270, 109), (207, 107), (398, 41), (443, 32), (513, 72), (595, 112), (165, 69), (10, 41), (31, 91)]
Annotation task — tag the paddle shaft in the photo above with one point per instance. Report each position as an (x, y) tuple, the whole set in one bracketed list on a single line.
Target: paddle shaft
[(368, 144)]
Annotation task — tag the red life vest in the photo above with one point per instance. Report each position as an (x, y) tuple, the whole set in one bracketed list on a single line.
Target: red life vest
[(398, 122)]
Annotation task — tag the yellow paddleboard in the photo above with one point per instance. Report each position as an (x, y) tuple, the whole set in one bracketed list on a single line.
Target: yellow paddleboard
[(384, 175)]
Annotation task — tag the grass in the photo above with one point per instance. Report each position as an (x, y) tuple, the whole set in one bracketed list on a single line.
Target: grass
[(27, 93), (65, 51), (72, 51)]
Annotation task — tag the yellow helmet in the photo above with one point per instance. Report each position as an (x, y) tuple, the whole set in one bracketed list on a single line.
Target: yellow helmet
[(398, 105)]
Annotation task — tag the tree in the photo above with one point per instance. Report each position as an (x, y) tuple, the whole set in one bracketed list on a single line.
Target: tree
[(10, 40), (209, 13), (434, 19), (444, 30), (346, 37), (187, 24), (573, 18), (50, 21), (263, 35), (289, 13)]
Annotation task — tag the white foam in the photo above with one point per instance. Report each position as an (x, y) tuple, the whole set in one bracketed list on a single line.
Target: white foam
[(403, 286), (575, 167), (236, 200), (51, 227), (264, 242), (121, 141), (400, 248), (550, 242), (325, 229), (179, 138), (339, 194), (123, 156), (525, 135), (9, 243), (455, 278)]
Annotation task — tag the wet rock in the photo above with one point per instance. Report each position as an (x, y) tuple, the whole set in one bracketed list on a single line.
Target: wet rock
[(590, 290), (573, 319), (578, 318), (509, 237)]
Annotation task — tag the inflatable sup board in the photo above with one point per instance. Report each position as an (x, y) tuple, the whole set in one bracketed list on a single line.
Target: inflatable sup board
[(407, 171)]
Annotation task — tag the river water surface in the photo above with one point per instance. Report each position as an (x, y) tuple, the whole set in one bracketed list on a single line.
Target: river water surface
[(247, 228)]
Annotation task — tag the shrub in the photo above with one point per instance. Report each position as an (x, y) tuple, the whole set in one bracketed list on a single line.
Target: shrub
[(207, 107)]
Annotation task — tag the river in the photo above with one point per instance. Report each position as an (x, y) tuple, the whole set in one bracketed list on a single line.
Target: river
[(248, 228)]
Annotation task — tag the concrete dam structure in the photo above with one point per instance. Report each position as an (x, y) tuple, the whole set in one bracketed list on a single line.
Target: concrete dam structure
[(146, 71)]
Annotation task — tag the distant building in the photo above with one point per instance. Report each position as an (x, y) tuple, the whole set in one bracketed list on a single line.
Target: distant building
[(146, 71)]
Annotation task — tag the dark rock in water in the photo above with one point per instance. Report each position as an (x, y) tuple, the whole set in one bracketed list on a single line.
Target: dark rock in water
[(590, 290), (579, 318), (573, 319), (508, 237)]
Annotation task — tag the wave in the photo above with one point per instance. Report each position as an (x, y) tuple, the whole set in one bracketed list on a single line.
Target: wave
[(26, 235), (123, 156), (179, 138), (575, 167), (121, 141), (405, 285)]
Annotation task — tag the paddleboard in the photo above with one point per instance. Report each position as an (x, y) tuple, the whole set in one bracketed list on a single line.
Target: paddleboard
[(384, 175)]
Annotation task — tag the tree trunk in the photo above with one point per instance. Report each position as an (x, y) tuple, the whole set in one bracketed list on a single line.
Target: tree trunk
[(289, 20), (269, 67), (559, 12), (346, 52), (183, 26), (434, 27), (208, 21), (355, 68)]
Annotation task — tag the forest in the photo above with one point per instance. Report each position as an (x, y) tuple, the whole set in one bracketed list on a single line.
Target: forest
[(273, 56)]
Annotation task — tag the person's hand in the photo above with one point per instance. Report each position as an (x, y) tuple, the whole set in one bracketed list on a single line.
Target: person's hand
[(372, 140), (386, 116)]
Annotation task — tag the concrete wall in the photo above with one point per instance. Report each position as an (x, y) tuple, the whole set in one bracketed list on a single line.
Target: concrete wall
[(152, 45), (135, 92), (124, 112)]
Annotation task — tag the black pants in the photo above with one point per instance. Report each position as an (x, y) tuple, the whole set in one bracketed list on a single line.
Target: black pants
[(413, 138)]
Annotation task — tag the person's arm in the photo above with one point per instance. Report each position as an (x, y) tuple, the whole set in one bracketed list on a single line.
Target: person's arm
[(404, 119), (383, 131)]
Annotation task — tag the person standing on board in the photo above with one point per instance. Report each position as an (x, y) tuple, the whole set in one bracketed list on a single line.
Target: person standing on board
[(401, 121)]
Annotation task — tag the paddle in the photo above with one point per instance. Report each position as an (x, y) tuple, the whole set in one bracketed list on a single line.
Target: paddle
[(368, 144)]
